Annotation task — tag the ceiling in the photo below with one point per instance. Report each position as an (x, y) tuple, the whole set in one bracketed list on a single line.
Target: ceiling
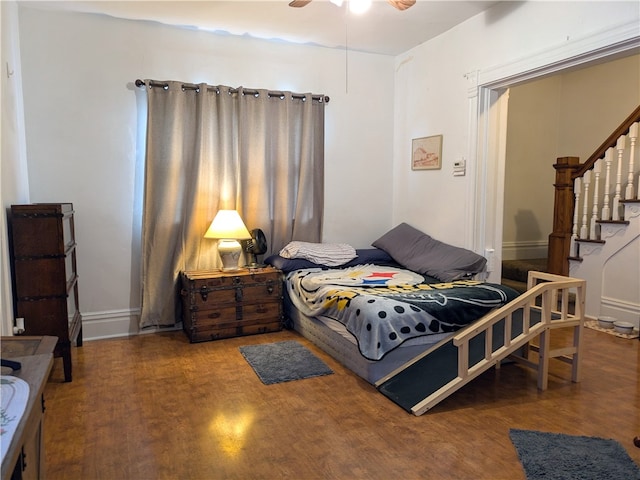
[(382, 29)]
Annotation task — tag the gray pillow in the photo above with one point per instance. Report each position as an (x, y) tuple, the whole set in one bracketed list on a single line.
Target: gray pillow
[(419, 252)]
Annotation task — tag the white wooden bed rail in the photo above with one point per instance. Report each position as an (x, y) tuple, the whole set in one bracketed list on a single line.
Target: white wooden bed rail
[(543, 307)]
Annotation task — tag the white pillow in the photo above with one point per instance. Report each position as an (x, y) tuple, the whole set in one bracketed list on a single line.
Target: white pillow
[(329, 254)]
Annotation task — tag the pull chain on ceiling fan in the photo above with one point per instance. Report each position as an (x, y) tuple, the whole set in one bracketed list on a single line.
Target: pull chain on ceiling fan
[(355, 6), (399, 4)]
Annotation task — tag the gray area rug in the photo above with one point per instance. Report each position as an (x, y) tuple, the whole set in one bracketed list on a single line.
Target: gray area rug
[(283, 362), (556, 456)]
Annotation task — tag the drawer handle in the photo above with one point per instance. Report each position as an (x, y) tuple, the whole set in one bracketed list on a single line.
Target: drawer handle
[(204, 293), (24, 459), (214, 315), (262, 309)]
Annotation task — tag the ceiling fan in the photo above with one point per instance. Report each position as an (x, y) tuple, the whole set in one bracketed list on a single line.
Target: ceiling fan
[(399, 4)]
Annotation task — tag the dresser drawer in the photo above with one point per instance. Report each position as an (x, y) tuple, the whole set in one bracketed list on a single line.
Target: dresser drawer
[(232, 314), (204, 293), (43, 277), (208, 334), (233, 322)]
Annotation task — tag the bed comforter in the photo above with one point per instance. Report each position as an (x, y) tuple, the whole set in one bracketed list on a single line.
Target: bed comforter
[(386, 306)]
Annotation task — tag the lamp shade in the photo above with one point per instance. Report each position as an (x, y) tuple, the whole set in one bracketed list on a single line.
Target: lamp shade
[(228, 228), (227, 224)]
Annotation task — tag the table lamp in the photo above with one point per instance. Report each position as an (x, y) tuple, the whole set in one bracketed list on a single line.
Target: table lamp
[(228, 228)]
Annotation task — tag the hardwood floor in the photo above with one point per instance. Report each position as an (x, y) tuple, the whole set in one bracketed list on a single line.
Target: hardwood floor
[(157, 407)]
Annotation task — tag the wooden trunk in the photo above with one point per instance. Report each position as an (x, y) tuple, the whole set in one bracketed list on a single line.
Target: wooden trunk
[(217, 304)]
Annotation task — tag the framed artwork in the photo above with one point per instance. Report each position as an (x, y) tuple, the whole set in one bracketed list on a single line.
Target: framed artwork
[(426, 153)]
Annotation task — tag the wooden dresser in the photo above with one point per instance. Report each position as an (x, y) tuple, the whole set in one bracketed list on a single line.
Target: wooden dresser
[(45, 279), (218, 304)]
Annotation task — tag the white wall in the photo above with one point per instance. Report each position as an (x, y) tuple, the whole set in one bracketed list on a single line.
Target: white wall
[(14, 187), (84, 138), (531, 151), (607, 92), (83, 132), (436, 90)]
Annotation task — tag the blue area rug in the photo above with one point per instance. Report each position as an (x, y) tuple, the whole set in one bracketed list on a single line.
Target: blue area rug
[(556, 456), (283, 362)]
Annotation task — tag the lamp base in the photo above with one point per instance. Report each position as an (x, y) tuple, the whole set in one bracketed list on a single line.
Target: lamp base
[(229, 251)]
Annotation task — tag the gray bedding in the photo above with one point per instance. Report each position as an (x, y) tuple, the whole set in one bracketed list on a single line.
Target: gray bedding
[(383, 307)]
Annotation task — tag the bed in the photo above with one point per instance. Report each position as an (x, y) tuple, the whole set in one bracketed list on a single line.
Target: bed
[(329, 302), (378, 310)]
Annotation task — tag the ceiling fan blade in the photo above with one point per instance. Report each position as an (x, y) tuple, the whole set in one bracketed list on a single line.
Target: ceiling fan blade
[(299, 3), (402, 4)]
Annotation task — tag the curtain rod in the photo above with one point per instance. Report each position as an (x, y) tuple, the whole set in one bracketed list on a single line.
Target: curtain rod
[(192, 86)]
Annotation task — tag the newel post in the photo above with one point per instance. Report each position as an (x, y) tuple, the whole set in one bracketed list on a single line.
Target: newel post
[(560, 238)]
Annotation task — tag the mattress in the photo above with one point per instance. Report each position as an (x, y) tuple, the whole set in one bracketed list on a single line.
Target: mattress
[(333, 338), (386, 307)]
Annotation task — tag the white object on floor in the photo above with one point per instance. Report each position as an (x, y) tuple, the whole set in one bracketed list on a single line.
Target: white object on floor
[(623, 327), (606, 322)]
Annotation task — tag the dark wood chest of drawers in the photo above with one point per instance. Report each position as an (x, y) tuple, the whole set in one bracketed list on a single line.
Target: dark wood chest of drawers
[(217, 304), (45, 278)]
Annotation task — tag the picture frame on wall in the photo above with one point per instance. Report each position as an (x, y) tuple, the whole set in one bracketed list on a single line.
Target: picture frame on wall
[(426, 153)]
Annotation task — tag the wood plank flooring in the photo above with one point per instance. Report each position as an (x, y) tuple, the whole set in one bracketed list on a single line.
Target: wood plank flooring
[(157, 407)]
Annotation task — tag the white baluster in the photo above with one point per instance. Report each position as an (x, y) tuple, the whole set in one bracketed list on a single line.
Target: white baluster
[(593, 233), (574, 248), (620, 146), (633, 136), (584, 229), (606, 211)]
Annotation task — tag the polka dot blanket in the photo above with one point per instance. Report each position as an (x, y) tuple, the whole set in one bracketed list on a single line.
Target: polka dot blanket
[(385, 306)]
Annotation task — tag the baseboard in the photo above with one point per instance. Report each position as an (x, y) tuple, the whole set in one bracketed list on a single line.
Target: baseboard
[(620, 309), (110, 324), (115, 324), (524, 250)]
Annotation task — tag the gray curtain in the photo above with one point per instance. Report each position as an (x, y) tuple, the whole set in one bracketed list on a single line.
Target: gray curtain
[(211, 148)]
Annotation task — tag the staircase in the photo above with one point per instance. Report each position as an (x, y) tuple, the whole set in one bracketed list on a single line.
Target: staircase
[(509, 331), (596, 233), (611, 264)]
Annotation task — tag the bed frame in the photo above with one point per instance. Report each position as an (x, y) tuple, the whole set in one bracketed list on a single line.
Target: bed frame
[(514, 331), (335, 340)]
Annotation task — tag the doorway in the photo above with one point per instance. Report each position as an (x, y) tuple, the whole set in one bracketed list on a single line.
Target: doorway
[(491, 108)]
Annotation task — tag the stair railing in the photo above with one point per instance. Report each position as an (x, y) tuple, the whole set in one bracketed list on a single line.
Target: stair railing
[(592, 193)]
